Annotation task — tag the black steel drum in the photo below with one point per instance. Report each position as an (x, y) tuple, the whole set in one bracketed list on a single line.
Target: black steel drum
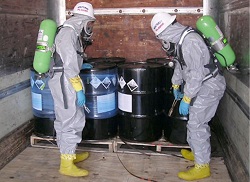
[(169, 70), (100, 84), (175, 129), (140, 101)]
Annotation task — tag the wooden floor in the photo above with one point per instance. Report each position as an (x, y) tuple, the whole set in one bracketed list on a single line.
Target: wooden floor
[(41, 165)]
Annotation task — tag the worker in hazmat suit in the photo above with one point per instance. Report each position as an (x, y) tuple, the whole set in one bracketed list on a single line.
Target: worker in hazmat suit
[(67, 88), (200, 96)]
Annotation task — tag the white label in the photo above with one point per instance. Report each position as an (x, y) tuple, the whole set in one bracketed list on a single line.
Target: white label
[(45, 38), (106, 103), (40, 35), (125, 102), (37, 101)]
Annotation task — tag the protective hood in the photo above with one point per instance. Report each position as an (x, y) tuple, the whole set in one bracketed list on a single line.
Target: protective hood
[(172, 33), (78, 22)]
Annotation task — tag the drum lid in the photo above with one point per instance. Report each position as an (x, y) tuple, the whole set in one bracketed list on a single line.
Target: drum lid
[(136, 65), (100, 67), (116, 60), (164, 61)]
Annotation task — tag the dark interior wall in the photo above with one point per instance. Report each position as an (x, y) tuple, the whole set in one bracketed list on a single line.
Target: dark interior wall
[(233, 111), (130, 36), (234, 21), (19, 22)]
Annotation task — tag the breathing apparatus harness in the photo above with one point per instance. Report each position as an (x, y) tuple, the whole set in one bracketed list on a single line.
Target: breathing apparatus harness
[(214, 66), (84, 41)]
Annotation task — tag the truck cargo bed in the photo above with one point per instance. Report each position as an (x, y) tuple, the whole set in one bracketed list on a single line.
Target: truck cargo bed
[(42, 164)]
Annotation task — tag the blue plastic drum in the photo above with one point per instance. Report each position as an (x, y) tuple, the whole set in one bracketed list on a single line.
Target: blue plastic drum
[(42, 104), (100, 84)]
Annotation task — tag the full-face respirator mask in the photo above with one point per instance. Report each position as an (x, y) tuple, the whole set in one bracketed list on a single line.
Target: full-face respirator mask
[(168, 47), (86, 33)]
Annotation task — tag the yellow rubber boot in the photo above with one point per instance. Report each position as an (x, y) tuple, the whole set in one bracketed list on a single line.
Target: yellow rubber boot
[(68, 168), (189, 155), (81, 157), (199, 171)]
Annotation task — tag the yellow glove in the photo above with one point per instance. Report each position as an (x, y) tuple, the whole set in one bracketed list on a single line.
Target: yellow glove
[(176, 87), (186, 99), (76, 83), (176, 91)]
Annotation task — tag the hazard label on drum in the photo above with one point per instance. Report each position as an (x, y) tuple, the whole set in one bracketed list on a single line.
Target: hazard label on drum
[(106, 82), (132, 85), (114, 81), (95, 82), (40, 84), (122, 82)]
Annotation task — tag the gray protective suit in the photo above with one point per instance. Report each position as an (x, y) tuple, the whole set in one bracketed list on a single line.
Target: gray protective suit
[(205, 95), (69, 122)]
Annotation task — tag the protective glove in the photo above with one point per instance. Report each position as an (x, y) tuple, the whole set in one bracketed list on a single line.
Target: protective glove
[(77, 85), (184, 105), (86, 66), (176, 91), (80, 98)]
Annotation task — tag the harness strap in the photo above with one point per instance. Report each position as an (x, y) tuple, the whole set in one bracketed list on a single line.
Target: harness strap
[(81, 52), (56, 65), (63, 91), (178, 53), (213, 66)]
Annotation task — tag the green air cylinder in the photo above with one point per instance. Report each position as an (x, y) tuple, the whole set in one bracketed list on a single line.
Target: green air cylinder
[(224, 53), (45, 41)]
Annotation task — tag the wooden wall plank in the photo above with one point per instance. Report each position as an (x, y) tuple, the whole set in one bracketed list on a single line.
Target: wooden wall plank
[(130, 36), (15, 142), (30, 7), (18, 45), (20, 22), (136, 3)]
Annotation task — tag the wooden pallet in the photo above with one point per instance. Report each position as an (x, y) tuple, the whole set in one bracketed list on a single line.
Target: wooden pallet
[(111, 145), (86, 145), (156, 147)]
